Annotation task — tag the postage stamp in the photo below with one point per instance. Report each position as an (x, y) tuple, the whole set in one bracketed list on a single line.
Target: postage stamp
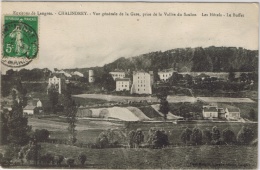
[(20, 40)]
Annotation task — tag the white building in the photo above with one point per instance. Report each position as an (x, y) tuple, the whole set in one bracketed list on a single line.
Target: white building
[(232, 112), (122, 84), (142, 82), (65, 73), (117, 74), (56, 82), (210, 112), (39, 103), (91, 76), (76, 73), (165, 74), (28, 110)]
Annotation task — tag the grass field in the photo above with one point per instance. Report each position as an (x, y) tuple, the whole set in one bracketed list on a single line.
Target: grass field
[(204, 156), (88, 131)]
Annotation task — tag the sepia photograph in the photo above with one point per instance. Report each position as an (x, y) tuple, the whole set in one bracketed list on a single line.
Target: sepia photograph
[(129, 85)]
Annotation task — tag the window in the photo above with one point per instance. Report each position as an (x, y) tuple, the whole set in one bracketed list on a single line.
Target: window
[(138, 89), (125, 85), (122, 85)]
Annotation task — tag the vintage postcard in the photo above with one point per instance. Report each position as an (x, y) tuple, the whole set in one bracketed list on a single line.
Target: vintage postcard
[(129, 85)]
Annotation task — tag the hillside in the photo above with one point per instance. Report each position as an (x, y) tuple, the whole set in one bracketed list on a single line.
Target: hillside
[(210, 59)]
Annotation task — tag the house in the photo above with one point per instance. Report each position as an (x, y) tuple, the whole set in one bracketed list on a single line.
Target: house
[(29, 110), (165, 74), (117, 74), (122, 84), (210, 112), (142, 82), (232, 112), (39, 103), (57, 82)]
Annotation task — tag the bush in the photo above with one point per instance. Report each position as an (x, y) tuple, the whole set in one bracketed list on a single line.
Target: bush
[(207, 136), (41, 135), (58, 159), (160, 139), (215, 135), (196, 136), (229, 136), (70, 162), (245, 136), (82, 158), (185, 135), (102, 141)]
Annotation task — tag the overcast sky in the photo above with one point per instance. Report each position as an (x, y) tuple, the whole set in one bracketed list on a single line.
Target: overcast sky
[(87, 41)]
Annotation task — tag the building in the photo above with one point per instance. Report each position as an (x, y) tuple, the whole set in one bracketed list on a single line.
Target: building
[(77, 73), (165, 74), (210, 112), (232, 112), (91, 76), (117, 74), (221, 113), (29, 110), (142, 82), (122, 84), (39, 103), (57, 82)]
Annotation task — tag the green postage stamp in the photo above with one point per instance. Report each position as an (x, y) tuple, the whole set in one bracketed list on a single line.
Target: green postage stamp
[(20, 40)]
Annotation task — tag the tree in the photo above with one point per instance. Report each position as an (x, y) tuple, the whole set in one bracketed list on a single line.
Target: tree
[(108, 82), (131, 137), (70, 109), (186, 135), (82, 158), (53, 95), (102, 140), (17, 124), (252, 114), (207, 135), (41, 135), (164, 105), (231, 74), (138, 138), (245, 135), (196, 136), (229, 136), (160, 139), (215, 135)]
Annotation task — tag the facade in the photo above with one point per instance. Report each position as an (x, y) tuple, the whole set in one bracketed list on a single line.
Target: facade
[(29, 110), (142, 82), (232, 112), (210, 112), (117, 74), (165, 74), (57, 82), (91, 76), (122, 84), (39, 103)]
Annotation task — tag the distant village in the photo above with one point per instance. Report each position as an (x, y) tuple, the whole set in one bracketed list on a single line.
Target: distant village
[(136, 83)]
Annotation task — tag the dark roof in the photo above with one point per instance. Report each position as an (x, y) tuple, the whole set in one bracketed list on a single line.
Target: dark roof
[(233, 109), (122, 79), (210, 109)]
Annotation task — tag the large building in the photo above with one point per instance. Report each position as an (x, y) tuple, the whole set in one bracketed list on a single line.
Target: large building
[(57, 82), (142, 82), (123, 84), (117, 74), (165, 74)]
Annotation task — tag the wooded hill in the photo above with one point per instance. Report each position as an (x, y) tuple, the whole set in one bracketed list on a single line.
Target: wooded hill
[(210, 59)]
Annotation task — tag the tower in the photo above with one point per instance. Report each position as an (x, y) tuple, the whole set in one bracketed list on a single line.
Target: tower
[(91, 76)]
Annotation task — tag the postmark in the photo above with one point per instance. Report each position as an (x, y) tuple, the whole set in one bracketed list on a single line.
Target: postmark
[(20, 40)]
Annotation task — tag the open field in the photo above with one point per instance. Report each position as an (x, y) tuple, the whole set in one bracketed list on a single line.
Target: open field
[(171, 99), (88, 131), (175, 157)]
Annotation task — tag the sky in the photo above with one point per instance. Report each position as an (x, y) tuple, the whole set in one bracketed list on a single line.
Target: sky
[(74, 41)]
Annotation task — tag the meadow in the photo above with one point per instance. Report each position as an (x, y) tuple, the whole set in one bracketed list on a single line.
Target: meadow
[(204, 156)]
